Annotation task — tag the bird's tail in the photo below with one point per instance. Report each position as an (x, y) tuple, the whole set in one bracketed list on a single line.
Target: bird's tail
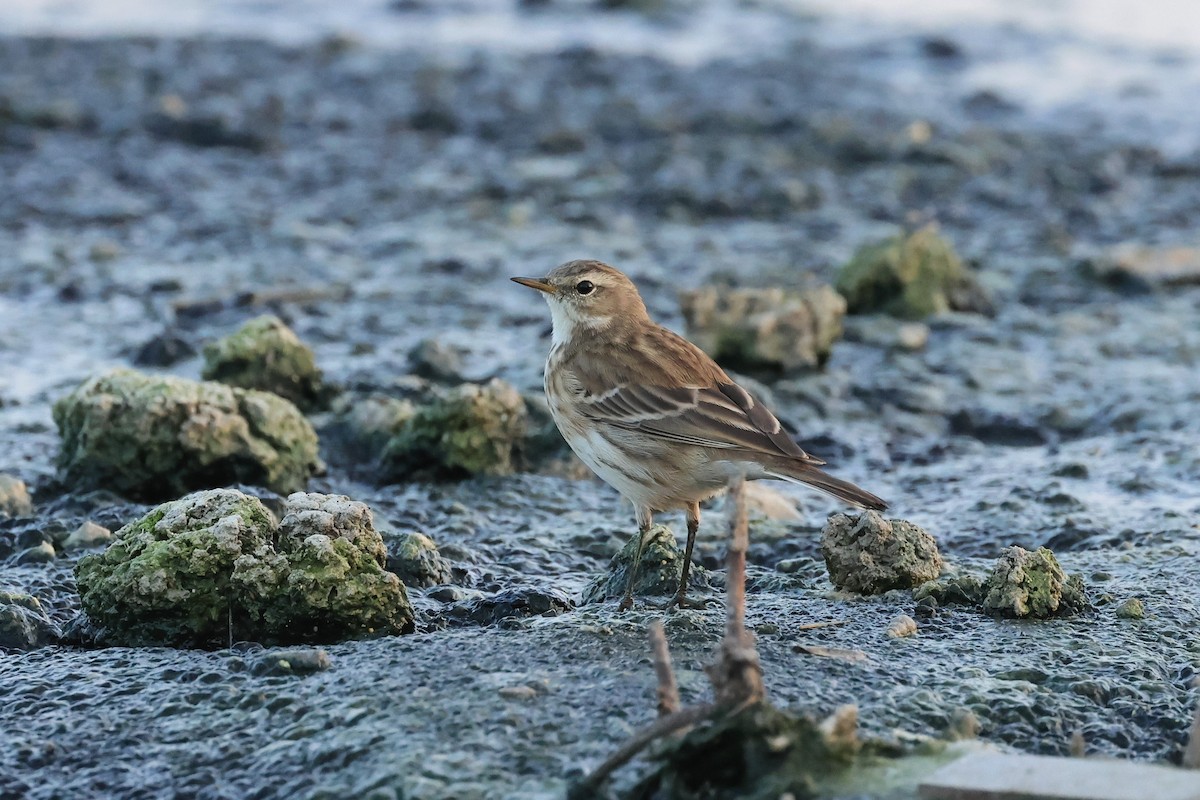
[(842, 490)]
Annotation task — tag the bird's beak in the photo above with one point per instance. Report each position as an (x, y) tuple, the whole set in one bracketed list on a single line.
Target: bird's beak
[(534, 283)]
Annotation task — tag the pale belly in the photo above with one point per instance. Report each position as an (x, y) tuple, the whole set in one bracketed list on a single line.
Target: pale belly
[(649, 472)]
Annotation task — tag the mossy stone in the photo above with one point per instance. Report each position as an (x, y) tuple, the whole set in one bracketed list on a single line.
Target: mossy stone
[(910, 276), (152, 437), (469, 430), (215, 565), (415, 558), (662, 566), (265, 354), (1025, 584), (24, 624)]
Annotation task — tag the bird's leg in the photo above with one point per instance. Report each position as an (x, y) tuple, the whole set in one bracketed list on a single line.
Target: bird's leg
[(693, 525), (645, 518)]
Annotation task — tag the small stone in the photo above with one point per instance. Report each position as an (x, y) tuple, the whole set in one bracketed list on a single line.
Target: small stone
[(296, 661), (414, 557), (265, 354), (14, 497), (1132, 608), (901, 626), (1149, 266), (870, 555), (775, 330), (912, 336), (38, 554), (518, 692), (524, 601), (965, 590), (88, 534), (436, 361), (104, 250), (910, 276), (24, 625), (164, 350), (1025, 584)]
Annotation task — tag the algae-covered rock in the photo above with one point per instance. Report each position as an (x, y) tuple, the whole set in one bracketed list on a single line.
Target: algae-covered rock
[(468, 430), (765, 329), (215, 565), (265, 354), (150, 437), (1025, 584), (14, 497), (24, 625), (870, 555), (415, 558), (662, 565), (333, 583), (910, 276)]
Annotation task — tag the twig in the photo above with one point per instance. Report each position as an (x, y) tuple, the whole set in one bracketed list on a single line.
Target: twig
[(660, 656), (737, 675), (812, 626), (655, 730)]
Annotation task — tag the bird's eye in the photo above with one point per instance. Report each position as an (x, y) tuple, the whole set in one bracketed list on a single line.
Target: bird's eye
[(585, 287)]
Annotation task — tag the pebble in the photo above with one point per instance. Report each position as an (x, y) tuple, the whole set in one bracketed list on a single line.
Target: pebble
[(14, 497), (1132, 608), (89, 534), (901, 626), (38, 554), (295, 661), (518, 692)]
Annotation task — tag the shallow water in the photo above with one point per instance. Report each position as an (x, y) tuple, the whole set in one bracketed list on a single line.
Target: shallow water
[(418, 179)]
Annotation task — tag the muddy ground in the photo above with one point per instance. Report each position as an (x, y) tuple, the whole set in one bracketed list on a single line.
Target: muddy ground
[(160, 188)]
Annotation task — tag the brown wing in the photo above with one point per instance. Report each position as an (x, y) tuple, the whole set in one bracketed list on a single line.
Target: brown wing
[(662, 385)]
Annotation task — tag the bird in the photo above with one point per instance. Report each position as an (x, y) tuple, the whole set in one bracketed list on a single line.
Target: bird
[(653, 415)]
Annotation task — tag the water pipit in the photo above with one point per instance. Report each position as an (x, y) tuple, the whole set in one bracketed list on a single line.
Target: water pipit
[(652, 414)]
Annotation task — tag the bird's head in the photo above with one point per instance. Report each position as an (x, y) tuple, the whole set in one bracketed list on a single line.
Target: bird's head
[(588, 297)]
